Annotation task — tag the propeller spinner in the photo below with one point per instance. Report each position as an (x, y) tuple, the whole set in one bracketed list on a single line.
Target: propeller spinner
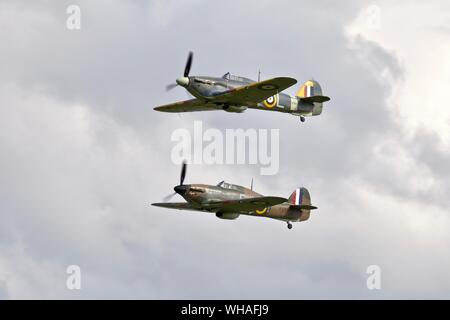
[(184, 80), (180, 189)]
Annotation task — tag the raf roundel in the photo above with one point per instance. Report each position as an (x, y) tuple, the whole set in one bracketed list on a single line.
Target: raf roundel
[(268, 87), (271, 101)]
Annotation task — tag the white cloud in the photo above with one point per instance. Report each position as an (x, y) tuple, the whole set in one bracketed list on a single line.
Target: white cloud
[(416, 34)]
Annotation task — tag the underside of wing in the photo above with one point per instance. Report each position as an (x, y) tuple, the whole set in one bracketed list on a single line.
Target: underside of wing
[(248, 205), (252, 94), (188, 106), (176, 205)]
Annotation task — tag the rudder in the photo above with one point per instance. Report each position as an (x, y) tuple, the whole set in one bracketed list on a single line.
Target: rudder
[(309, 89), (300, 201), (311, 92), (300, 197)]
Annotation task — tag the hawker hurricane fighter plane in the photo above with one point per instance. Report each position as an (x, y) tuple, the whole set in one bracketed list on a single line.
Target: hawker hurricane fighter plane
[(236, 94), (228, 201)]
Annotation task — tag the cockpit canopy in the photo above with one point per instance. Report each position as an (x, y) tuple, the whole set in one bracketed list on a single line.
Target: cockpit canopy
[(230, 186), (232, 77)]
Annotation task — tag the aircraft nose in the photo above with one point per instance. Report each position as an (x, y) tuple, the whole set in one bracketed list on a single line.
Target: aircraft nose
[(181, 189), (183, 81)]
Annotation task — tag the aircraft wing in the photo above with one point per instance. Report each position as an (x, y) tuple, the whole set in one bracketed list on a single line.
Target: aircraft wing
[(254, 93), (188, 106), (250, 204), (176, 205)]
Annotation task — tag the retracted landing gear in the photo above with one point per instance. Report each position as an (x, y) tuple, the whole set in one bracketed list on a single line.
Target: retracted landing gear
[(289, 225), (302, 119)]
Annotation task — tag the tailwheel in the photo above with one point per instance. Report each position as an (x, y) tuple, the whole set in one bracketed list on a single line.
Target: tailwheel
[(302, 119), (289, 225)]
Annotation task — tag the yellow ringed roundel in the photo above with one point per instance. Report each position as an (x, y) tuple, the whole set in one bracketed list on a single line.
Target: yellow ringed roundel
[(271, 101)]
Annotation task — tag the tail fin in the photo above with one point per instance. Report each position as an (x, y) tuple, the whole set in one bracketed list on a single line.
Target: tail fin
[(301, 200), (300, 197), (311, 92), (308, 89)]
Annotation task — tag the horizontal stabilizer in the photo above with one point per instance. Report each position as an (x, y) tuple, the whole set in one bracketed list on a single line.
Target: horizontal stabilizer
[(304, 207), (318, 99)]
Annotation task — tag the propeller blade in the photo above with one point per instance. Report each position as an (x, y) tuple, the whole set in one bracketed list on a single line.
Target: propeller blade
[(187, 69), (168, 197), (171, 86), (183, 173)]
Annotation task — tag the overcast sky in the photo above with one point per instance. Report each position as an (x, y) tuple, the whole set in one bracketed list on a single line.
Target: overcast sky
[(83, 154)]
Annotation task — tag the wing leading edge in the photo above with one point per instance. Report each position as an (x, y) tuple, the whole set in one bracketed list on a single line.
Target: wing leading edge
[(252, 94), (249, 204), (176, 205), (188, 106)]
